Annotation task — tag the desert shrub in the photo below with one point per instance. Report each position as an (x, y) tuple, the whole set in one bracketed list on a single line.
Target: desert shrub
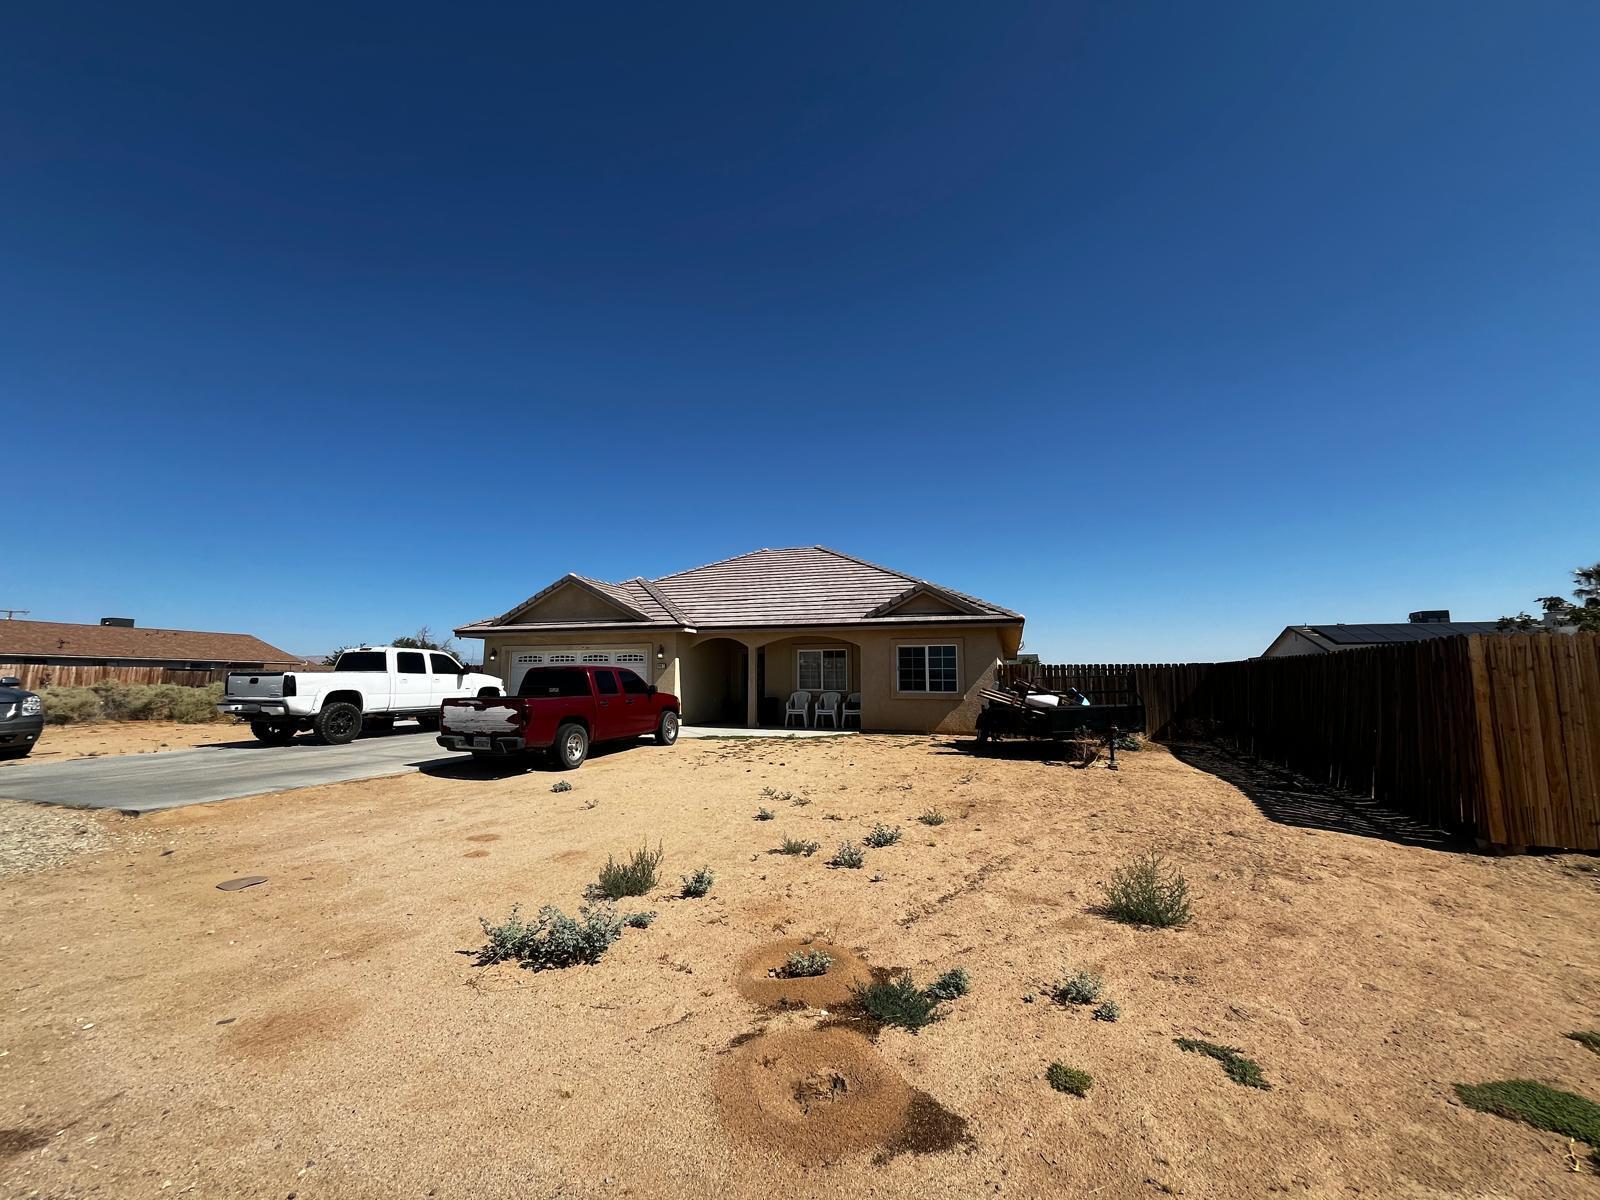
[(847, 855), (70, 705), (882, 836), (639, 920), (1145, 891), (1069, 1079), (799, 801), (1241, 1070), (775, 795), (1109, 1010), (804, 964), (764, 814), (1536, 1104), (1081, 987), (931, 816), (794, 845), (698, 883), (952, 985), (553, 939), (1130, 741), (899, 1002), (1587, 1038), (561, 785), (634, 877)]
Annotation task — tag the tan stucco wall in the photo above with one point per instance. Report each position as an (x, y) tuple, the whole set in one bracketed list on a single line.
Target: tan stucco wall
[(573, 603), (701, 680)]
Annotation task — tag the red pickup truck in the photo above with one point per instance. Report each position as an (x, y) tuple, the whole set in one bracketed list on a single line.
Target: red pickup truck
[(562, 710)]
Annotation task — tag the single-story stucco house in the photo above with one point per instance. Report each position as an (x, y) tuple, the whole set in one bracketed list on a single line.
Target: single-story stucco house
[(734, 639)]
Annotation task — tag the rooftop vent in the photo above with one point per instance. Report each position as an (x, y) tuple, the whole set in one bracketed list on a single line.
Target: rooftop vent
[(120, 622), (1431, 616)]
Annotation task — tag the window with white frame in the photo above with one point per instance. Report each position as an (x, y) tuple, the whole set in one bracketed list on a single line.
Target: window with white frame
[(823, 670), (929, 669)]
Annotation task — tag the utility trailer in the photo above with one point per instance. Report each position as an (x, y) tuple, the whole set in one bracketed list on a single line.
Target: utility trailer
[(1022, 710)]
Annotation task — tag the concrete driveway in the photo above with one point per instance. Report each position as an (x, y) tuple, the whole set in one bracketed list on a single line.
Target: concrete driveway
[(139, 783)]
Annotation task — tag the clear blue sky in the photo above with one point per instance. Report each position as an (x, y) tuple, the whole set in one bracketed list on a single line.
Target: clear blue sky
[(1167, 325)]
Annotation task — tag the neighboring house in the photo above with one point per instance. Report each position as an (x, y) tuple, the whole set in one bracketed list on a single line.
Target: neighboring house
[(735, 638), (1324, 639), (121, 644)]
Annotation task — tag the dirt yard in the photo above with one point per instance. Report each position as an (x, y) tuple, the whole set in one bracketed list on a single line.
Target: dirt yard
[(92, 739), (326, 1033)]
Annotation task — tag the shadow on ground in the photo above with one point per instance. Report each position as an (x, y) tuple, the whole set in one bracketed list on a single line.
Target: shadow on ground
[(455, 765), (1292, 799)]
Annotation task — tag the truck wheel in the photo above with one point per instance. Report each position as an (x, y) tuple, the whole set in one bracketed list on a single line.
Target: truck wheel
[(337, 723), (667, 728), (572, 746), (274, 733)]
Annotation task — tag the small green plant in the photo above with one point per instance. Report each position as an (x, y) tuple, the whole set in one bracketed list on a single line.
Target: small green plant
[(847, 855), (639, 920), (776, 796), (1109, 1010), (1129, 741), (952, 985), (898, 1001), (805, 964), (561, 785), (794, 845), (1145, 891), (1069, 1079), (634, 877), (931, 816), (1536, 1104), (1589, 1039), (698, 884), (882, 836), (1081, 987), (552, 940), (764, 814), (1241, 1070)]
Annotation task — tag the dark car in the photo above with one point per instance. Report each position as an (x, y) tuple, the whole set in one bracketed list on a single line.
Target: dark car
[(21, 718)]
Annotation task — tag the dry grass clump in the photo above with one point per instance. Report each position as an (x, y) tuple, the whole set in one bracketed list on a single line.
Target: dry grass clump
[(931, 816), (1242, 1070), (848, 855), (634, 877), (1069, 1079), (698, 883), (552, 940), (112, 700), (881, 835), (802, 846), (806, 964), (1146, 891), (1589, 1039)]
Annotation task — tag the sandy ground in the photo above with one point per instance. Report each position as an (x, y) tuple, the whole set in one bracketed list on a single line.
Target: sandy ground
[(61, 742), (327, 1034)]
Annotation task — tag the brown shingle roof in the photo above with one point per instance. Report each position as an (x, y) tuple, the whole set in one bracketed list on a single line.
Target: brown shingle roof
[(802, 585), (56, 639)]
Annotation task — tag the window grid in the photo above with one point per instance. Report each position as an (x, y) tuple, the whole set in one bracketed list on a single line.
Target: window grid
[(930, 669)]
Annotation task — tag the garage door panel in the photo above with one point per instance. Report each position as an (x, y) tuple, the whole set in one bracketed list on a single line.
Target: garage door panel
[(524, 659)]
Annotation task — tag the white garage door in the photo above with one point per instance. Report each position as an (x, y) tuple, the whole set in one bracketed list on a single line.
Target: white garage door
[(635, 658)]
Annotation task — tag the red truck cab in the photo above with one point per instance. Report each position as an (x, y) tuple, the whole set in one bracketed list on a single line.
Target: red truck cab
[(561, 710)]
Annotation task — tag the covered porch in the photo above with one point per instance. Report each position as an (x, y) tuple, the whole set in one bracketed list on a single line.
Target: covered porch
[(746, 681)]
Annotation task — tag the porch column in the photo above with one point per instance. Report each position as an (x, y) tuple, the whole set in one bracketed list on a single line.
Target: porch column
[(752, 702)]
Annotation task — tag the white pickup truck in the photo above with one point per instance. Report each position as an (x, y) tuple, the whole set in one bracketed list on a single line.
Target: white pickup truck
[(371, 686)]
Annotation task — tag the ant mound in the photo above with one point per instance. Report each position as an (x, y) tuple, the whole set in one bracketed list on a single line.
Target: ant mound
[(761, 976), (813, 1094)]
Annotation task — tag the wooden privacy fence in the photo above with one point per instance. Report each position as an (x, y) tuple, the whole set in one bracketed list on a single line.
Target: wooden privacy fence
[(1499, 735), (37, 675)]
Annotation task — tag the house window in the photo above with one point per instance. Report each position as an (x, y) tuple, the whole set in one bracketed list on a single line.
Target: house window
[(930, 669), (822, 670)]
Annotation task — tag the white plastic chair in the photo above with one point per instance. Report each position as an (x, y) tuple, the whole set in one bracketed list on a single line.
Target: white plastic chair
[(799, 706), (827, 706), (852, 708)]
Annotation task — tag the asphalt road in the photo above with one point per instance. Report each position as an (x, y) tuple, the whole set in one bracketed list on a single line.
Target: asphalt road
[(139, 783)]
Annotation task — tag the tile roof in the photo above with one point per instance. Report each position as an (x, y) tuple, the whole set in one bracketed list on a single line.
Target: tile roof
[(56, 639), (801, 585)]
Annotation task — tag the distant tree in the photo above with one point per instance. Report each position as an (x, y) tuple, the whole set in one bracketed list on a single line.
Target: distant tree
[(333, 656), (423, 639), (1583, 616)]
